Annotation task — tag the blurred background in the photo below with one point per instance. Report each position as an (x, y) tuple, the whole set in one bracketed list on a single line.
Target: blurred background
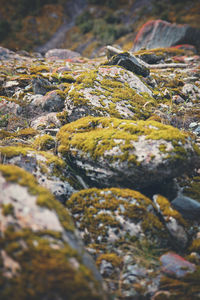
[(85, 26)]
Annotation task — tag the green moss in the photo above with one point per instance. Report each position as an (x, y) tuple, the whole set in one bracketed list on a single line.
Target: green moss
[(168, 211), (98, 135), (44, 142), (44, 197), (43, 270), (7, 209), (39, 69), (114, 259), (195, 246)]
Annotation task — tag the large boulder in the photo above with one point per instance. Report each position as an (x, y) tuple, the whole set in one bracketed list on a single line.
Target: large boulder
[(41, 254), (124, 153), (159, 33)]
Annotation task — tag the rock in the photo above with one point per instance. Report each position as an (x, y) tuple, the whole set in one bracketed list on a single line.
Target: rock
[(159, 33), (41, 254), (173, 221), (118, 226), (53, 101), (109, 91), (41, 85), (129, 62), (46, 121), (173, 264), (61, 54), (125, 153), (47, 168), (187, 206)]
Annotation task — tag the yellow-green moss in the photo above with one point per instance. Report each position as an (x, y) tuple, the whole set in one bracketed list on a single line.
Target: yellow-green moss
[(97, 135), (44, 142), (7, 209), (168, 211), (195, 246), (114, 259), (44, 197)]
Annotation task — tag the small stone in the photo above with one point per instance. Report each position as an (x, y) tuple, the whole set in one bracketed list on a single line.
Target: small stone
[(175, 265), (187, 206)]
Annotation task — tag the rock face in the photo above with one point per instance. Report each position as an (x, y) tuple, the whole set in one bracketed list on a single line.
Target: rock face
[(40, 255), (160, 34), (125, 153)]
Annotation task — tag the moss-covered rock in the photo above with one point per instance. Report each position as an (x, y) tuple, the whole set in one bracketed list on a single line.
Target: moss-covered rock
[(122, 231), (125, 153), (41, 256), (50, 171), (109, 91)]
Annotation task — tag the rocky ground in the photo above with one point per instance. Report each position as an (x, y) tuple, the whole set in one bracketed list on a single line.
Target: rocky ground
[(112, 143)]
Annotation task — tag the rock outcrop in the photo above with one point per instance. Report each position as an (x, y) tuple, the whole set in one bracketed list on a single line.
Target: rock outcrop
[(161, 34)]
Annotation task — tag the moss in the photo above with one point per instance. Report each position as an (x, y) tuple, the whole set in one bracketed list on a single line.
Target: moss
[(167, 211), (192, 188), (39, 69), (44, 271), (44, 142), (114, 259), (195, 246), (97, 135), (62, 117), (44, 197), (7, 209)]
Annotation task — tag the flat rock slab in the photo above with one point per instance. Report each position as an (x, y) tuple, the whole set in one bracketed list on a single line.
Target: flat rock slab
[(125, 153)]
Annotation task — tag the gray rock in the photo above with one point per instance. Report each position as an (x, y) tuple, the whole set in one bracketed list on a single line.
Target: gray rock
[(130, 63), (187, 206), (53, 101), (159, 33)]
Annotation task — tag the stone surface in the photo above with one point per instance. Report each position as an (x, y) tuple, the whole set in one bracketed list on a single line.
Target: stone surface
[(159, 33)]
